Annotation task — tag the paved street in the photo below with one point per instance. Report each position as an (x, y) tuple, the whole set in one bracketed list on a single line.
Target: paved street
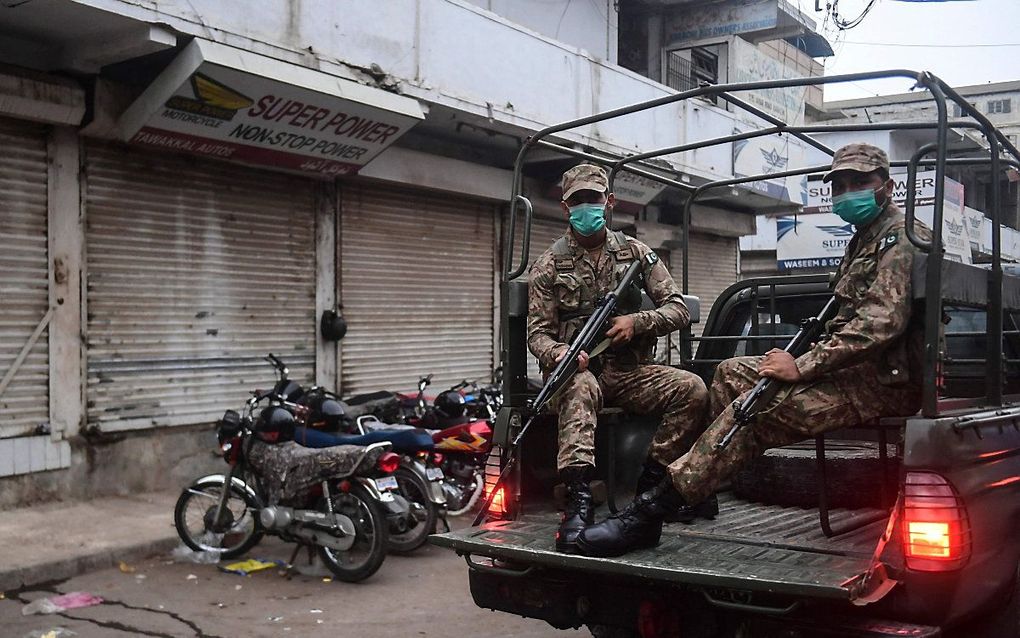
[(425, 594)]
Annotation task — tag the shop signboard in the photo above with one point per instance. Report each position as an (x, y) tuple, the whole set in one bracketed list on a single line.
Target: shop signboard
[(749, 64), (722, 19), (814, 240), (224, 102), (955, 234)]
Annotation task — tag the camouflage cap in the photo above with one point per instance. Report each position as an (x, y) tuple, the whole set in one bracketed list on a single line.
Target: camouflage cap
[(860, 157), (584, 177)]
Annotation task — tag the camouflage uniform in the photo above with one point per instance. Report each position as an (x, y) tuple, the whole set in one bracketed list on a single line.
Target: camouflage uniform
[(870, 365), (564, 285)]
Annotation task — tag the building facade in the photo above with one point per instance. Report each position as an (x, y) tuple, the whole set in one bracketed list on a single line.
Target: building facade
[(188, 187), (775, 247)]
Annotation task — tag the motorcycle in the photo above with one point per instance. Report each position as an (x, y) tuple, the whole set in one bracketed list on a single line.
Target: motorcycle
[(461, 425), (330, 500), (324, 421)]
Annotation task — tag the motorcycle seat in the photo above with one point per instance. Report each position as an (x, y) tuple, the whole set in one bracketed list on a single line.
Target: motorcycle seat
[(403, 441)]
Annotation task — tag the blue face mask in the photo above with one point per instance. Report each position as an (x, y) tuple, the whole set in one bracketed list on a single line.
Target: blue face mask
[(588, 219), (857, 207)]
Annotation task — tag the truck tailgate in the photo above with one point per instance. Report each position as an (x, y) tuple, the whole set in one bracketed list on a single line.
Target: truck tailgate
[(747, 547)]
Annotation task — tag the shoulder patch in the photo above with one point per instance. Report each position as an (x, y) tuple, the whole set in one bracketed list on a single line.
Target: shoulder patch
[(887, 242)]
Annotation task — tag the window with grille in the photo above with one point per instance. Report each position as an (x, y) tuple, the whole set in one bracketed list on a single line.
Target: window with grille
[(998, 106)]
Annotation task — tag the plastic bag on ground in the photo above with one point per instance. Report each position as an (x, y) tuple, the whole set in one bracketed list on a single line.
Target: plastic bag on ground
[(52, 605), (184, 554), (58, 632)]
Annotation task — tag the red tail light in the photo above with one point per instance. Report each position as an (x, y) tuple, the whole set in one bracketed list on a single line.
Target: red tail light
[(498, 506), (388, 463), (936, 531)]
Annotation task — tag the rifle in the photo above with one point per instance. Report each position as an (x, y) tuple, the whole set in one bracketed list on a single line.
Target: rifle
[(767, 388), (590, 339)]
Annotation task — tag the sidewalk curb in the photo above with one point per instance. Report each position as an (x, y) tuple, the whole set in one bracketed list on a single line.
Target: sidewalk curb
[(62, 570)]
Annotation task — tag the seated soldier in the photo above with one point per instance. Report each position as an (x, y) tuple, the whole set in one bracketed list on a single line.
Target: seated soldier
[(564, 285), (869, 365)]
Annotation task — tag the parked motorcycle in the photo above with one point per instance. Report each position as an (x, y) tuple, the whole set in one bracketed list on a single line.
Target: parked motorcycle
[(461, 421), (323, 421), (423, 493), (333, 500)]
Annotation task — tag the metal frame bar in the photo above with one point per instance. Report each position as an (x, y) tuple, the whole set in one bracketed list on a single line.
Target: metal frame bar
[(940, 93)]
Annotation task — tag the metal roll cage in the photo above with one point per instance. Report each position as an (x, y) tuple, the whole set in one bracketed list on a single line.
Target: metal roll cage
[(638, 165)]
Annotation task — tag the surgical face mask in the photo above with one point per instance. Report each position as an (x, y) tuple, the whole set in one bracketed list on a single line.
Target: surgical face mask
[(588, 219), (857, 207)]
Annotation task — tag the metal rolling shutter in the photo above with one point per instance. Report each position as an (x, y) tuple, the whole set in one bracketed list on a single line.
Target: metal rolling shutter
[(24, 276), (543, 233), (417, 289), (196, 270), (713, 262)]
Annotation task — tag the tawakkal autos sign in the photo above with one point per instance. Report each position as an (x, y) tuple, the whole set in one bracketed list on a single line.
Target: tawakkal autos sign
[(818, 238), (223, 102)]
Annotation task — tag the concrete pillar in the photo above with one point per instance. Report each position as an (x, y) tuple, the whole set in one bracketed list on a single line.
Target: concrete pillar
[(66, 248)]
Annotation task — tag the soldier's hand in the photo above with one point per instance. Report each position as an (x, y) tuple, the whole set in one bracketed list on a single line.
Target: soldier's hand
[(582, 360), (621, 330), (779, 364)]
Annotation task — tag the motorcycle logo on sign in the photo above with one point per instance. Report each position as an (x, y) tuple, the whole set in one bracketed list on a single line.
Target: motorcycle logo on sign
[(214, 99), (773, 161)]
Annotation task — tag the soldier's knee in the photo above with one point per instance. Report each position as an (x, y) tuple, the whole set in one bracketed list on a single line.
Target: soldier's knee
[(727, 369), (697, 393), (691, 391), (583, 385)]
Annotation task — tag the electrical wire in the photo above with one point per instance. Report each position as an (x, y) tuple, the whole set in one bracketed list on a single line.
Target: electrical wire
[(845, 25), (933, 46)]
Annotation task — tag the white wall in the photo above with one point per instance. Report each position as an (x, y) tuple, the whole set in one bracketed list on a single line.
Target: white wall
[(590, 25), (453, 53)]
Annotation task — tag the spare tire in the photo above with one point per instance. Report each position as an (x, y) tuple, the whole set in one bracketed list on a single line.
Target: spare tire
[(788, 475)]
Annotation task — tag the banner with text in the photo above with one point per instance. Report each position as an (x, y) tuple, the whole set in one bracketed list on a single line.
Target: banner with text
[(223, 102)]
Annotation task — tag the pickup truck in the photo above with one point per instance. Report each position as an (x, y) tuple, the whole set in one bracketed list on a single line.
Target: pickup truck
[(896, 527)]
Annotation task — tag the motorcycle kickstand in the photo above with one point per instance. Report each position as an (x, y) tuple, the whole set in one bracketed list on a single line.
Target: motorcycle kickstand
[(292, 564)]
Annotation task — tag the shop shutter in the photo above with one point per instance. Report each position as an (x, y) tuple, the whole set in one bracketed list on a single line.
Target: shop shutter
[(24, 277), (713, 262), (196, 270), (417, 289), (543, 233)]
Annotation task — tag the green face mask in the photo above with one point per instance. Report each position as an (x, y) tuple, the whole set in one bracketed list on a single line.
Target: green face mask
[(588, 219), (857, 207)]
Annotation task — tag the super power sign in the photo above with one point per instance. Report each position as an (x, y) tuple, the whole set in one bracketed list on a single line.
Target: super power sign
[(239, 115)]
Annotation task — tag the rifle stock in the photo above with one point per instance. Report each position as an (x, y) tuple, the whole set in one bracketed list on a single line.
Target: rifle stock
[(767, 388)]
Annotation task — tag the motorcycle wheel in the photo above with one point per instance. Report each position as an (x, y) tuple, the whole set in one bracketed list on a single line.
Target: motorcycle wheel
[(196, 508), (416, 490), (369, 550)]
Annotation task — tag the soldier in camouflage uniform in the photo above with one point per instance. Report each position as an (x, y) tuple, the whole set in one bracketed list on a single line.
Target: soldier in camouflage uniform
[(869, 365), (564, 285)]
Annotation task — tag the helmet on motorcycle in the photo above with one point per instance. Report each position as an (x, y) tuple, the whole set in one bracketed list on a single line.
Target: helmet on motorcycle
[(450, 405), (326, 413), (275, 425)]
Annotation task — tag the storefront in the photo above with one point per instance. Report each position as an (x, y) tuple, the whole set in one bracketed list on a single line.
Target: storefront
[(417, 287), (24, 279), (197, 270)]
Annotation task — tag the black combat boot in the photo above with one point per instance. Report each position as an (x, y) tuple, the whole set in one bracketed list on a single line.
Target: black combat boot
[(654, 473), (637, 526), (579, 511)]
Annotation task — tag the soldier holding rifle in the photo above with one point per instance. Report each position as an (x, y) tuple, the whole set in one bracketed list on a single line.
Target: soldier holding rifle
[(565, 286), (868, 365)]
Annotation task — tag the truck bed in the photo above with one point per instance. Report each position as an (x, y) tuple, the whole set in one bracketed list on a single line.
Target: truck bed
[(748, 546)]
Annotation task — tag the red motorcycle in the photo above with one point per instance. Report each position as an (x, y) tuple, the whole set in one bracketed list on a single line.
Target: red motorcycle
[(460, 421)]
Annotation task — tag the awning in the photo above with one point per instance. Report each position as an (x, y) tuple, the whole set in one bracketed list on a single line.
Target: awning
[(813, 44), (224, 102)]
